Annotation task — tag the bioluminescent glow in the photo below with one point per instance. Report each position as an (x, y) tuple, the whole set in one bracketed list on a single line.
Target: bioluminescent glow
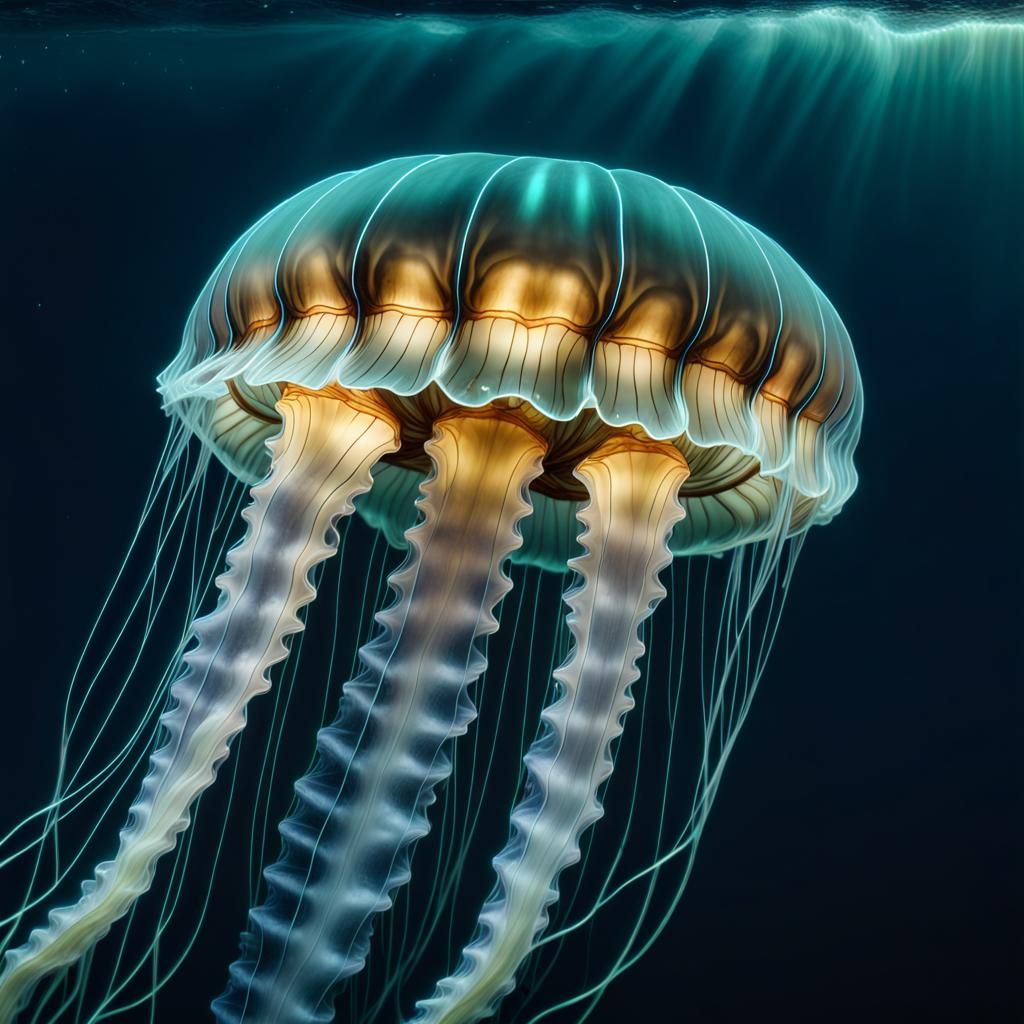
[(497, 360)]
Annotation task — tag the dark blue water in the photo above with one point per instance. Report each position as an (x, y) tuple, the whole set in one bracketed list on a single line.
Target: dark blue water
[(864, 858)]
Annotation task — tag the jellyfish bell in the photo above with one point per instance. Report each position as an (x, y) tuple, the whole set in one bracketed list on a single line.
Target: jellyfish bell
[(492, 359)]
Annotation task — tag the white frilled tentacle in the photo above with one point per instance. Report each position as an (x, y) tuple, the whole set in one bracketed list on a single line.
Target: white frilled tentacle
[(321, 462), (364, 805), (633, 506)]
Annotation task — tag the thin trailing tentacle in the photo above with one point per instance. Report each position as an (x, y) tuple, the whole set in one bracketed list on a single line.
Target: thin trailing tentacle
[(362, 808), (321, 462), (633, 506)]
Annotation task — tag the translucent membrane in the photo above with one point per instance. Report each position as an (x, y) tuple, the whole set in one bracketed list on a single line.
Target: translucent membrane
[(556, 282)]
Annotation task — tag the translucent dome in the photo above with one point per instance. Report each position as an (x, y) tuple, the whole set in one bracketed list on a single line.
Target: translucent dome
[(605, 300)]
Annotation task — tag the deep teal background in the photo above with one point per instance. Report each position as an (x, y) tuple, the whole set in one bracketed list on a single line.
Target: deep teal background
[(864, 858)]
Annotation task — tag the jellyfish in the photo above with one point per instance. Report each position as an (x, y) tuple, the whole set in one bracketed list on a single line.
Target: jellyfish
[(496, 360)]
